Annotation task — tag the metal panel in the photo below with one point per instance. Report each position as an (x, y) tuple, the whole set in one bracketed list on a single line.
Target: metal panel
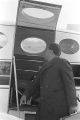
[(38, 21), (23, 33)]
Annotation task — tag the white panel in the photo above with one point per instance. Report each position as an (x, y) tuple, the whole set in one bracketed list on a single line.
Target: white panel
[(8, 11), (7, 51), (4, 98), (5, 116), (18, 114), (64, 35)]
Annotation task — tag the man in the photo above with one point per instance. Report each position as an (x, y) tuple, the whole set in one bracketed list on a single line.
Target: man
[(56, 85)]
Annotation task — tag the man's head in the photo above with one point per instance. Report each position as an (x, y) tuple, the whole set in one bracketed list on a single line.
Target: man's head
[(52, 51), (55, 48)]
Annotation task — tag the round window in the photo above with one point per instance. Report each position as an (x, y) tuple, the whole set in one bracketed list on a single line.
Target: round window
[(37, 13), (69, 46), (3, 40), (33, 45)]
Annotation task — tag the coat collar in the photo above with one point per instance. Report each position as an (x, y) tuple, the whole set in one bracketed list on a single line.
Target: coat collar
[(48, 64)]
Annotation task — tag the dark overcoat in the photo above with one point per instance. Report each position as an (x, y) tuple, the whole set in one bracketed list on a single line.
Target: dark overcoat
[(57, 89)]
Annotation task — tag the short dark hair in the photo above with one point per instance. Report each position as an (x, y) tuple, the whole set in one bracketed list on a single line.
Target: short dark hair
[(55, 48)]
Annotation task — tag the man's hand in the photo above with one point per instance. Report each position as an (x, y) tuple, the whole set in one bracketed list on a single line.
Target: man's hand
[(23, 100), (29, 101)]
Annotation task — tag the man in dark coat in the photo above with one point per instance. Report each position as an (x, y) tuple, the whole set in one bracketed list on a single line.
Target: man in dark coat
[(56, 85)]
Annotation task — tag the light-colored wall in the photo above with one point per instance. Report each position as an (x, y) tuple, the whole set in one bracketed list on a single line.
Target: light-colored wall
[(8, 13)]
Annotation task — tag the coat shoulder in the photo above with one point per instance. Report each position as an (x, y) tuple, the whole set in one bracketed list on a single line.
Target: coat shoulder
[(65, 64)]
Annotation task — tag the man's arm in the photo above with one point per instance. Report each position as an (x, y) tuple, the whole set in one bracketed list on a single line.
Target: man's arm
[(69, 85)]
